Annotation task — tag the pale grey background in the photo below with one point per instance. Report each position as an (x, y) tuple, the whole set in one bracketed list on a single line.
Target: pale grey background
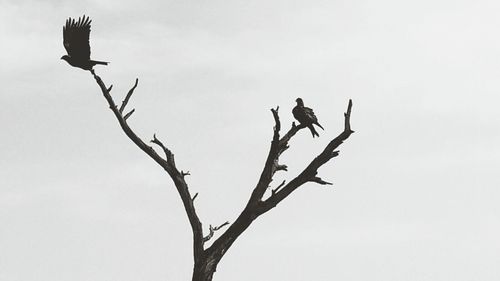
[(415, 193)]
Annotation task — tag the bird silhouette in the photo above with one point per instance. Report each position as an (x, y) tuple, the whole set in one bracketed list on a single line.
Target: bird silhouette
[(306, 117), (76, 42)]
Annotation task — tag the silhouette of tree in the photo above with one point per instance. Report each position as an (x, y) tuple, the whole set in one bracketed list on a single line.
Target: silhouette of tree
[(207, 258)]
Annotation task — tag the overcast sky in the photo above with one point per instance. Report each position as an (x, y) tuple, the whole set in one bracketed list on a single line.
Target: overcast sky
[(415, 194)]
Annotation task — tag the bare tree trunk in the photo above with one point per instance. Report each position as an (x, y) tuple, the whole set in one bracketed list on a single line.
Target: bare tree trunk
[(204, 271)]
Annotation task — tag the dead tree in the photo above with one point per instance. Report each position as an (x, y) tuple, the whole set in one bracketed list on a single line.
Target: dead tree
[(207, 258)]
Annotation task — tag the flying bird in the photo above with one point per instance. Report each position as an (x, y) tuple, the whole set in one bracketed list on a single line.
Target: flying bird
[(76, 42), (306, 117)]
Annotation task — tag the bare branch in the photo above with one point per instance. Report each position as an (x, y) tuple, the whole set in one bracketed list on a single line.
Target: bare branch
[(278, 188), (110, 87), (286, 138), (185, 173), (213, 230), (270, 167), (309, 173), (277, 126), (167, 164), (280, 167), (320, 181), (194, 197), (129, 94), (129, 114), (347, 118), (168, 153), (206, 260), (255, 206), (221, 226)]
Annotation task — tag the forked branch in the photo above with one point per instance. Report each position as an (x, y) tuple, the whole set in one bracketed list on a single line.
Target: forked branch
[(167, 163), (129, 94), (310, 172), (168, 154), (212, 230), (206, 260), (256, 205)]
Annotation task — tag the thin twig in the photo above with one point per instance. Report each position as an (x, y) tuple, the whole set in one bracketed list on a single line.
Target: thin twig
[(167, 151), (212, 230), (278, 188), (129, 114), (320, 181), (129, 94)]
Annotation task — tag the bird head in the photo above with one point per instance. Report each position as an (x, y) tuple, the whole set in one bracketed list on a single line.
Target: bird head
[(299, 101)]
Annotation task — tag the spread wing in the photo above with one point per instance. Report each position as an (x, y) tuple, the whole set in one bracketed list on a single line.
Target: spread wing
[(76, 38)]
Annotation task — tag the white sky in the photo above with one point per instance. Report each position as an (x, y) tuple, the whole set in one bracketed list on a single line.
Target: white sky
[(415, 193)]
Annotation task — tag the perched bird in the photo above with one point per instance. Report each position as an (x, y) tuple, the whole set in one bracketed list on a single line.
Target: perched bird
[(76, 42), (306, 117)]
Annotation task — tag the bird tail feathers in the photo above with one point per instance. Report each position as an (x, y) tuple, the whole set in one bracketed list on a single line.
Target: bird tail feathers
[(313, 131)]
